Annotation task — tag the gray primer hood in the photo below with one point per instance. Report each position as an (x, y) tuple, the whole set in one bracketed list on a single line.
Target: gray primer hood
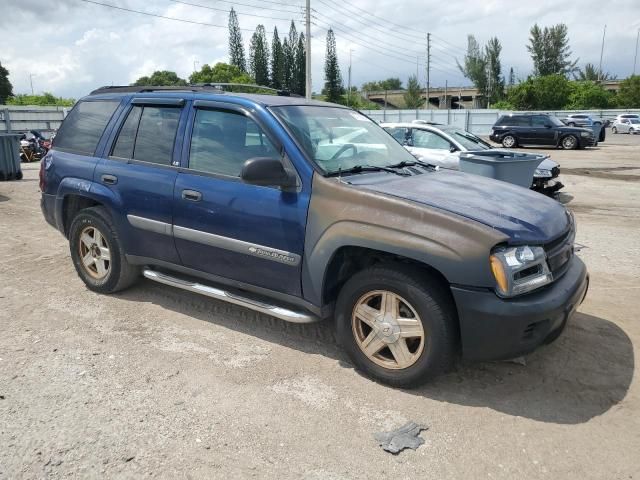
[(525, 216)]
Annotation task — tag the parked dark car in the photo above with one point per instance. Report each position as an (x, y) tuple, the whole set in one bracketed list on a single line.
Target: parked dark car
[(247, 199), (539, 129)]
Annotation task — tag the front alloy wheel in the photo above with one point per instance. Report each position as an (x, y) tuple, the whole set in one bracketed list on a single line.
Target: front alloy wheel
[(569, 142), (387, 329)]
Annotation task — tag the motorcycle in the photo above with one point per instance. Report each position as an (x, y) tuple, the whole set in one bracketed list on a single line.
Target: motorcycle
[(33, 146)]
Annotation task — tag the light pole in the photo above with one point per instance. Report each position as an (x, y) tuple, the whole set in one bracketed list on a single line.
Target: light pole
[(308, 47), (635, 58), (31, 75), (195, 68)]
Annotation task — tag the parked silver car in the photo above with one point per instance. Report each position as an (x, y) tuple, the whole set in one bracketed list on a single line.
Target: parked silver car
[(626, 125), (578, 120), (441, 145)]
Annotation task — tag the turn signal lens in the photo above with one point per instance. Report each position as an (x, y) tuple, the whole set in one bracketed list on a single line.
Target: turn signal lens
[(499, 273)]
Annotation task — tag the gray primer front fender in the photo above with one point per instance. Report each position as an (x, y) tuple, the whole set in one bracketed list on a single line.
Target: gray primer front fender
[(344, 215)]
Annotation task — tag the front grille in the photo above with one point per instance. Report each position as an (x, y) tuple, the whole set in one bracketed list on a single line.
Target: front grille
[(559, 252)]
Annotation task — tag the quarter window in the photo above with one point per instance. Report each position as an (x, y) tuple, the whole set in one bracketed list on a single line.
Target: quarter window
[(82, 129), (148, 134), (223, 140)]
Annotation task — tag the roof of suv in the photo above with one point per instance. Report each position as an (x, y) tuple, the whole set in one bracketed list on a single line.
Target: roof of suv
[(204, 93)]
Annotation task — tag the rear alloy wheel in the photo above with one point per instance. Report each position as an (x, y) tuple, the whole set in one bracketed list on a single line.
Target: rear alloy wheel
[(97, 254), (397, 324), (509, 141), (570, 142)]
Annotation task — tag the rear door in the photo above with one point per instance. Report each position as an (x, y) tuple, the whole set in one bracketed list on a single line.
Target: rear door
[(225, 227), (141, 168)]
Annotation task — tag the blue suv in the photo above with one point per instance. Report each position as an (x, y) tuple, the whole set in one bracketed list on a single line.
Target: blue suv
[(306, 210)]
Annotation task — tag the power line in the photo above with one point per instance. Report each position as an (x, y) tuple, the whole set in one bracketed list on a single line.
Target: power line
[(228, 11), (385, 29), (384, 20), (234, 3), (464, 49), (192, 22)]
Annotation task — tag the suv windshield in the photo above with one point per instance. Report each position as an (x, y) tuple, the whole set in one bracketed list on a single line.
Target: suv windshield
[(339, 138), (555, 121)]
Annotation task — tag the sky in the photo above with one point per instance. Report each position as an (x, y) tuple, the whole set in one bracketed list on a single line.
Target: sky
[(75, 46)]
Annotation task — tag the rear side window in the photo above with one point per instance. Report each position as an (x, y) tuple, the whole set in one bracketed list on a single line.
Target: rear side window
[(81, 130), (222, 141), (148, 134)]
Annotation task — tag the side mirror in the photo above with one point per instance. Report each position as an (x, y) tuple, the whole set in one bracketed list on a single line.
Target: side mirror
[(547, 125), (453, 149), (267, 172), (408, 142)]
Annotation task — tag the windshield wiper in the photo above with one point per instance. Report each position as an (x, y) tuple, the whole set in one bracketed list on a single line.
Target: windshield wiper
[(365, 168), (413, 163)]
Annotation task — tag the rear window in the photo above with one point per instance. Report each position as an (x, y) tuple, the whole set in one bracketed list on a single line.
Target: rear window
[(514, 121), (148, 134), (81, 130)]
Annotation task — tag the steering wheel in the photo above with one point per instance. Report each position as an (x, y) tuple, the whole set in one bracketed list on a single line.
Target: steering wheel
[(344, 148)]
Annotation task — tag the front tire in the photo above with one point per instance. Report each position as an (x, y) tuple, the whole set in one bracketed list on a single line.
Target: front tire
[(509, 141), (570, 142), (97, 253), (614, 130), (397, 324)]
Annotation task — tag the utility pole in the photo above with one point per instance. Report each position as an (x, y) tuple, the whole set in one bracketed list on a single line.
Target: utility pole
[(195, 62), (635, 58), (428, 64), (349, 82), (601, 52), (446, 84), (31, 75), (308, 48)]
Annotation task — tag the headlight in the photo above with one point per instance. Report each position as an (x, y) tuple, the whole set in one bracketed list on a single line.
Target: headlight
[(541, 172), (586, 134), (518, 270)]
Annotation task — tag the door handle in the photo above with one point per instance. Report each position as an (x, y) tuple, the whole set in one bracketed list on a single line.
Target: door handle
[(191, 195), (109, 179)]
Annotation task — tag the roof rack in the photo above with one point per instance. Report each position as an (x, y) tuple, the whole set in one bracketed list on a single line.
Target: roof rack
[(198, 87)]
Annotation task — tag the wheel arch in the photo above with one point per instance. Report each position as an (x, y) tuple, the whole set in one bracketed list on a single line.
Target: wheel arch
[(75, 195)]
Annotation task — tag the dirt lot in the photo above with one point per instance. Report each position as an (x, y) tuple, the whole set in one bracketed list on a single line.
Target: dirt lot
[(158, 382)]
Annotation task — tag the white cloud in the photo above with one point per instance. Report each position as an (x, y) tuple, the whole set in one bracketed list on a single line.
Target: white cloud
[(79, 46)]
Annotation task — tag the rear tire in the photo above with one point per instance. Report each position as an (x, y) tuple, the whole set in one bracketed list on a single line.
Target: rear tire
[(97, 253), (407, 343), (509, 141)]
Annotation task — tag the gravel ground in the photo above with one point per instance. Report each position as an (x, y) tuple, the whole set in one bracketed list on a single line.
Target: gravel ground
[(159, 382)]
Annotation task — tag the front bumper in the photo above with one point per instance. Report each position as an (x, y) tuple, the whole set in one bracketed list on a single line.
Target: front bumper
[(492, 328)]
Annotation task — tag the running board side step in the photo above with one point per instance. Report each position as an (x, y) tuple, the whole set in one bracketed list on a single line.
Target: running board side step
[(213, 292)]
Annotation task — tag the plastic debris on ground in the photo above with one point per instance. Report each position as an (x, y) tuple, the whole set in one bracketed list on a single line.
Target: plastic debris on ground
[(397, 440)]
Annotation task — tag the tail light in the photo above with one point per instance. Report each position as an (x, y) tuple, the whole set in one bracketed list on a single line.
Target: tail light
[(42, 175)]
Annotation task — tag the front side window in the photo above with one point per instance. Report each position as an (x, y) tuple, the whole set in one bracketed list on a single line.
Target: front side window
[(538, 121), (222, 141), (399, 133), (148, 134), (336, 138), (426, 139), (82, 129)]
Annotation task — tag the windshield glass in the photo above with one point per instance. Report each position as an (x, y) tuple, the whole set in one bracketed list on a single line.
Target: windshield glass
[(467, 139), (339, 138), (555, 121)]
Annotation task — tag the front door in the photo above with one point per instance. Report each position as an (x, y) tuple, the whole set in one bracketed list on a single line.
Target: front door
[(431, 147), (225, 227)]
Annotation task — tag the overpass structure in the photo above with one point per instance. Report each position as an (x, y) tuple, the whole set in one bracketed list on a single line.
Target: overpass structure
[(441, 98)]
